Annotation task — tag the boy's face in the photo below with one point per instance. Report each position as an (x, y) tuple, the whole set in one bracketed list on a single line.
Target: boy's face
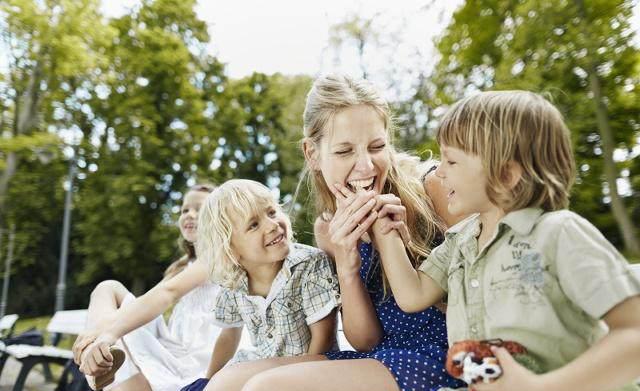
[(465, 181), (261, 239)]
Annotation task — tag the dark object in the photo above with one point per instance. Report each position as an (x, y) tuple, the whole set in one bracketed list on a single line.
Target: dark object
[(72, 379), (30, 337), (197, 385)]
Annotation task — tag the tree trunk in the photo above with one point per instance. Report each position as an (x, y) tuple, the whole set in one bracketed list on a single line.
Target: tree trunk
[(625, 225), (26, 118)]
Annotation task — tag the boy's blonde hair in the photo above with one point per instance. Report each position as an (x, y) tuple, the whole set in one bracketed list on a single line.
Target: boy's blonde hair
[(239, 197), (334, 93), (518, 126)]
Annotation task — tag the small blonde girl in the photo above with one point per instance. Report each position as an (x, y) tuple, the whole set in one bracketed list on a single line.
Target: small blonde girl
[(284, 293)]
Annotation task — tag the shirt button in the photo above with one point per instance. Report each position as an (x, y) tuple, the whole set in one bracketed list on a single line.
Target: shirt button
[(337, 296), (329, 280), (474, 330), (475, 283), (269, 335)]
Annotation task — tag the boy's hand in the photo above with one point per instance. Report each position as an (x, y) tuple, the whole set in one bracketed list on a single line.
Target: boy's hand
[(514, 376), (393, 214)]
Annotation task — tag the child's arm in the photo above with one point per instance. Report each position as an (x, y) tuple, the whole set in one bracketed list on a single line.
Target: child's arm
[(323, 334), (139, 312), (413, 290), (224, 349), (609, 364)]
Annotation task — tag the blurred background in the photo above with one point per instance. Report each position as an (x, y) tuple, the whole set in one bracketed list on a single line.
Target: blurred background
[(110, 110)]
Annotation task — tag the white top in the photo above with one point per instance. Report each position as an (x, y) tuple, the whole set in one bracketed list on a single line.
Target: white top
[(172, 356)]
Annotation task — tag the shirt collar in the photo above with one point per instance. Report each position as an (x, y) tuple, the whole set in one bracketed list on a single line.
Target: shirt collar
[(295, 257), (522, 221)]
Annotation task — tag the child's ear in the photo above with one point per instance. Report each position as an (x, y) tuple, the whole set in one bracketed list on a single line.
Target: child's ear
[(512, 174), (310, 154)]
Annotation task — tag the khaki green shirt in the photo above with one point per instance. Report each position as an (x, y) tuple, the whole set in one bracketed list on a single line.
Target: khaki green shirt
[(544, 280)]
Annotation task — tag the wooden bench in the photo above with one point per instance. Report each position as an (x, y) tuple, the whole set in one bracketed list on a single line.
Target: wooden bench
[(636, 269), (7, 324), (63, 322)]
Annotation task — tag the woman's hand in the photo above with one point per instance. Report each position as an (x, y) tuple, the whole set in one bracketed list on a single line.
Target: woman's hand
[(353, 217)]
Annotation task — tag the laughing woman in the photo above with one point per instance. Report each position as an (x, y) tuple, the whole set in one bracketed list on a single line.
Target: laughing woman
[(358, 179)]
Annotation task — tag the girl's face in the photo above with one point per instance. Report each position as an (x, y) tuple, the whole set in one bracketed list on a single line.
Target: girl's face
[(465, 180), (188, 221), (262, 238), (354, 151)]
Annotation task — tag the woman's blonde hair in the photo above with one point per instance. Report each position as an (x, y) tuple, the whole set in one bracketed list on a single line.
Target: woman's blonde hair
[(515, 126), (185, 245), (236, 197), (330, 95)]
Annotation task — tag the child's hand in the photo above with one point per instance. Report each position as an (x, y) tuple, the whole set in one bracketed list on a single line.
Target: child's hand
[(96, 358), (390, 206), (514, 376), (84, 339), (354, 216)]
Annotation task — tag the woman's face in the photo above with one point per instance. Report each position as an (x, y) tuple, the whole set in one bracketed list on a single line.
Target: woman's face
[(188, 221), (354, 150)]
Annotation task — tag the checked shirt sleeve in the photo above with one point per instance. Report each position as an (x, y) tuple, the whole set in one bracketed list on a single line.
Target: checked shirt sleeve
[(320, 290), (227, 309)]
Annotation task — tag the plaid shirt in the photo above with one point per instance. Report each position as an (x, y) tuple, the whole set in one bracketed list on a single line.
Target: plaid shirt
[(304, 291)]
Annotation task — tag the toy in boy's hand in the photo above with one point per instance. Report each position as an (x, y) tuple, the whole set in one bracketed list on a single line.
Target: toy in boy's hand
[(473, 361)]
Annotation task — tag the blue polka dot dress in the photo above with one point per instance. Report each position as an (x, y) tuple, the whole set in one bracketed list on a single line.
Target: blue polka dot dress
[(414, 346)]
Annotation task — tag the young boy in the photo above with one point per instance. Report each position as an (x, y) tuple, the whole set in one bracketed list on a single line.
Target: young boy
[(522, 267)]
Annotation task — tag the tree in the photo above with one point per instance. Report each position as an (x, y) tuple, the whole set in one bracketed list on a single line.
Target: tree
[(153, 135), (49, 44), (579, 53)]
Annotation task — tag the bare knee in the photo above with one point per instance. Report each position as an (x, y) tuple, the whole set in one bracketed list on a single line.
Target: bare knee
[(267, 381), (111, 288), (225, 379)]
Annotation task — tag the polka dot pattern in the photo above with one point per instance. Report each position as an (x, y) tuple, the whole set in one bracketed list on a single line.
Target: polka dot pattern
[(414, 346)]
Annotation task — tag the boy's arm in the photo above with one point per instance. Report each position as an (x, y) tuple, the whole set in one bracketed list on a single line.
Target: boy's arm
[(413, 290), (323, 334), (224, 349), (609, 364)]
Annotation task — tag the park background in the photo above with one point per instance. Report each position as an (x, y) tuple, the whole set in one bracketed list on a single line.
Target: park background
[(136, 101)]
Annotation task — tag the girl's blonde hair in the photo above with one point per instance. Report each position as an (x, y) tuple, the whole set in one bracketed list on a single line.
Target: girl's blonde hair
[(185, 245), (515, 126), (330, 95), (242, 198)]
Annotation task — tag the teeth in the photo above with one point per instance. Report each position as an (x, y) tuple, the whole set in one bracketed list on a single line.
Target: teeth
[(361, 184), (276, 240)]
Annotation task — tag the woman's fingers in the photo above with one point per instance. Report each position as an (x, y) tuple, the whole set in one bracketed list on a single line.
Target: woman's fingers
[(362, 227), (347, 225)]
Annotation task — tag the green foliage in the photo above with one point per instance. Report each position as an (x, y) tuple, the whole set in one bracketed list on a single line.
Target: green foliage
[(549, 47)]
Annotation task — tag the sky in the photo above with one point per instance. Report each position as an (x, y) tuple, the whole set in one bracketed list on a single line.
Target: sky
[(291, 36)]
